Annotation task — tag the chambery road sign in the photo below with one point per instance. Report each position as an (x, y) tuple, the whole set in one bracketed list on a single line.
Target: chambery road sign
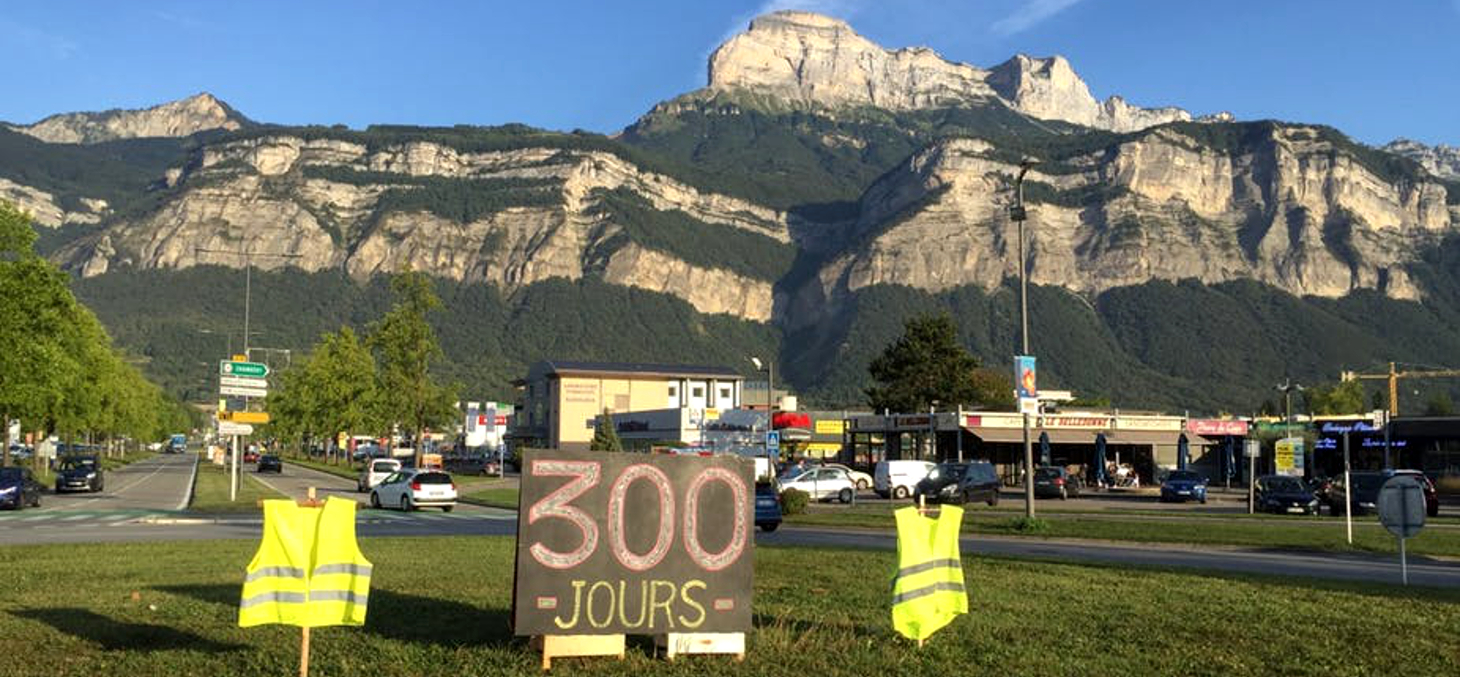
[(242, 382), (244, 369), (229, 428)]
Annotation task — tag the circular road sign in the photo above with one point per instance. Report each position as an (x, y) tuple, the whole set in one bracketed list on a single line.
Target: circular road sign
[(1402, 506)]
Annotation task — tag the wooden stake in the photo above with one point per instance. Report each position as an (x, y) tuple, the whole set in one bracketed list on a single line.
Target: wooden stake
[(310, 501)]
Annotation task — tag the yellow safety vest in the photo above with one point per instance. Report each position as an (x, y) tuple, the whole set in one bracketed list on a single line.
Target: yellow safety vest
[(308, 570), (927, 592)]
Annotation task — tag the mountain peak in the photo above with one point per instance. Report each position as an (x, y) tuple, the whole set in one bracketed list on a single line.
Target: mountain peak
[(184, 117), (807, 58)]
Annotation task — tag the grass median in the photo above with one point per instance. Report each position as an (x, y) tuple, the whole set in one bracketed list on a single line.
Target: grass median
[(210, 491), (1321, 534), (171, 608)]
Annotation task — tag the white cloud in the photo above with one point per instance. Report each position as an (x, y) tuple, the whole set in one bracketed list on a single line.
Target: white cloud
[(30, 38), (1031, 13)]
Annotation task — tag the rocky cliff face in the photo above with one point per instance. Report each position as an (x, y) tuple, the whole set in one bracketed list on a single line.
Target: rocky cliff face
[(1287, 209), (1442, 161), (46, 211), (808, 58), (328, 202), (176, 119)]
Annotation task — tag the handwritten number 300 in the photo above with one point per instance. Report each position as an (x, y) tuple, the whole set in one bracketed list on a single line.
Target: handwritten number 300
[(587, 474)]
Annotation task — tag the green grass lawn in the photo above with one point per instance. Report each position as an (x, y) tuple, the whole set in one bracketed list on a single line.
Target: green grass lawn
[(440, 606), (1299, 533), (496, 497), (349, 471), (210, 491)]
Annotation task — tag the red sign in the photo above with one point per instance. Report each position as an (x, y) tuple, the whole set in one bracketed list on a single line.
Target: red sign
[(786, 419), (1213, 427)]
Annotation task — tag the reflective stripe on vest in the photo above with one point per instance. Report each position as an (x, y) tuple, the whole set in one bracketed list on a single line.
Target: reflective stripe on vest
[(280, 587), (927, 591)]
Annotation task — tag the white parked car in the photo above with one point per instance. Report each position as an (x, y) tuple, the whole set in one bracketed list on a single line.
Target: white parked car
[(412, 489), (374, 472), (823, 484), (862, 480), (898, 479)]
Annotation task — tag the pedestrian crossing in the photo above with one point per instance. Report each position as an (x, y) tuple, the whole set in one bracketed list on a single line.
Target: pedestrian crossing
[(34, 518)]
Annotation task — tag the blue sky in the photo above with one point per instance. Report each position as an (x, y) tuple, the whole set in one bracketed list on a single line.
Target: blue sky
[(1377, 69)]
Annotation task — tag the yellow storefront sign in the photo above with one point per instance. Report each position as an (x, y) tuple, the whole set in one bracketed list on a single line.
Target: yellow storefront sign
[(830, 428)]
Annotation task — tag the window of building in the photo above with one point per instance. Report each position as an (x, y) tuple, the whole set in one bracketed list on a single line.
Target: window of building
[(725, 394), (673, 390), (697, 391)]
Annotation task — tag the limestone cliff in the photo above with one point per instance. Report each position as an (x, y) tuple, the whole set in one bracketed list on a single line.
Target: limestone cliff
[(46, 211), (336, 203), (1442, 161), (184, 117), (810, 59), (1288, 208)]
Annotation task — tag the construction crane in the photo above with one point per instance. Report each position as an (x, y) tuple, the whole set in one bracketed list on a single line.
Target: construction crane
[(1393, 377)]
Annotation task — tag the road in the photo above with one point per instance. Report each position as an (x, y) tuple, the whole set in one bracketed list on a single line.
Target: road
[(158, 483)]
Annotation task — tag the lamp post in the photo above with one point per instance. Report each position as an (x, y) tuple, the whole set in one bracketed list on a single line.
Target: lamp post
[(1286, 388), (1018, 214), (770, 389)]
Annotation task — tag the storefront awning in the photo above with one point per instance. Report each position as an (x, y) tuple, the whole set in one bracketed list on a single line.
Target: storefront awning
[(1153, 437), (1016, 435)]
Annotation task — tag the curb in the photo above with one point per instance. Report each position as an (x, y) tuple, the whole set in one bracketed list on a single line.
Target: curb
[(192, 484)]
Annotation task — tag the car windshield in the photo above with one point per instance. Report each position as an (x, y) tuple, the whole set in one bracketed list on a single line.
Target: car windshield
[(78, 464), (1284, 485), (1183, 476), (951, 471), (433, 478), (9, 474), (384, 466)]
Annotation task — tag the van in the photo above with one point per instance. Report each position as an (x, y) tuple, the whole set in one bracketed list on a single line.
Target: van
[(374, 471), (897, 479)]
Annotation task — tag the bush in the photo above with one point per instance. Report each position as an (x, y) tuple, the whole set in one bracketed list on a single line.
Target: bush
[(1029, 525), (793, 501)]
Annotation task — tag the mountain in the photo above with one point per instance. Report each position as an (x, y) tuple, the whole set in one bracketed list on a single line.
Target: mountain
[(817, 191), (1442, 161), (805, 58), (185, 117)]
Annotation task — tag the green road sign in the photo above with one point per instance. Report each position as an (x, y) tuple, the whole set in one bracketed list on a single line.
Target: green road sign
[(245, 369)]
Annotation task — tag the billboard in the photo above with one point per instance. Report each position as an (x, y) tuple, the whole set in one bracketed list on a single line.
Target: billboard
[(621, 543), (1025, 377), (1289, 456)]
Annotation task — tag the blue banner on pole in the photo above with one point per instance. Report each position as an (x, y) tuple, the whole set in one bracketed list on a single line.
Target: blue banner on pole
[(1025, 381)]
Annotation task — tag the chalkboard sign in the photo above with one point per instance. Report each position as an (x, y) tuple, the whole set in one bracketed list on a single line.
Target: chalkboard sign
[(628, 543)]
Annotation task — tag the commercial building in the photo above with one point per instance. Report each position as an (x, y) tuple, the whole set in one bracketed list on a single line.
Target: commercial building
[(1079, 440), (560, 402)]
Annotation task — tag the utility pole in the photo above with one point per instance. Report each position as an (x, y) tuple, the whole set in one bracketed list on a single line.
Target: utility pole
[(1018, 214), (248, 258)]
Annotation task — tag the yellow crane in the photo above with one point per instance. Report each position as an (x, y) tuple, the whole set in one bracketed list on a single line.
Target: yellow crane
[(1393, 377)]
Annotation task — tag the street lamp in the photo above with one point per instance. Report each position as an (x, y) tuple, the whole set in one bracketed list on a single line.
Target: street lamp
[(1286, 388), (1018, 214), (770, 385)]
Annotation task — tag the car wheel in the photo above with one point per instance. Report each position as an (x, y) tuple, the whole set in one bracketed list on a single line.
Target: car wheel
[(447, 508), (1203, 500), (994, 498), (899, 492), (769, 526), (407, 504), (375, 500), (863, 485), (36, 502), (845, 495), (1064, 494)]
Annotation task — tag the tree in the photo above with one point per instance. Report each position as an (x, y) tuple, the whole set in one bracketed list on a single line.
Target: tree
[(1440, 405), (331, 391), (1343, 398), (407, 349), (605, 436), (926, 364)]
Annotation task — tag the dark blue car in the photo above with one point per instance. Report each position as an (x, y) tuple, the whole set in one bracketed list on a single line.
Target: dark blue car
[(1184, 485), (18, 488), (1283, 494), (767, 507)]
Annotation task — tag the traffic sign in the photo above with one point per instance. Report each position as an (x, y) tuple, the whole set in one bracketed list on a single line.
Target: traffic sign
[(244, 416), (773, 441), (243, 392), (247, 369), (242, 382), (1402, 506), (1252, 448), (230, 428)]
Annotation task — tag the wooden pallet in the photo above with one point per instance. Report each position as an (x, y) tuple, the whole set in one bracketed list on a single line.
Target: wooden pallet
[(572, 646)]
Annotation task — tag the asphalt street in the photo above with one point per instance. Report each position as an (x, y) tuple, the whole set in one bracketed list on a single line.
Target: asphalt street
[(162, 482)]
